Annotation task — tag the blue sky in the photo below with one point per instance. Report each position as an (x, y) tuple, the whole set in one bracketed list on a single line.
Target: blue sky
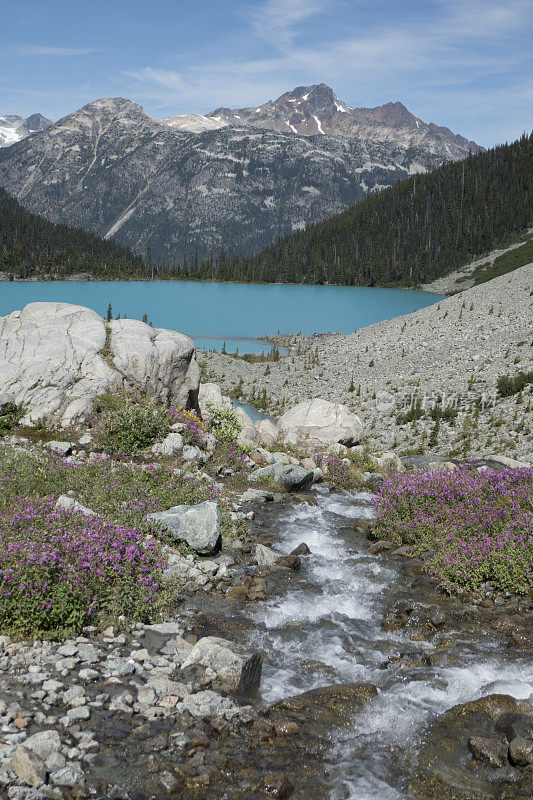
[(466, 64)]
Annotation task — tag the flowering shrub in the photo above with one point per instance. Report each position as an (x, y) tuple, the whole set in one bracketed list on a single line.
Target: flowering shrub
[(124, 492), (229, 460), (195, 428), (61, 570), (475, 526), (336, 470)]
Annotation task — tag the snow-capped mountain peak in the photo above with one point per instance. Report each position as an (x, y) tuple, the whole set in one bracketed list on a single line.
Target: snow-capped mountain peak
[(14, 128)]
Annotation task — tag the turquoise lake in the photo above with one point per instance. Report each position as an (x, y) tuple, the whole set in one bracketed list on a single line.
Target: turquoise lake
[(235, 313)]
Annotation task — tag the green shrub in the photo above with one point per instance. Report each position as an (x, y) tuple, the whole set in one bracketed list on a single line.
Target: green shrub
[(225, 425), (129, 423), (508, 385), (10, 415)]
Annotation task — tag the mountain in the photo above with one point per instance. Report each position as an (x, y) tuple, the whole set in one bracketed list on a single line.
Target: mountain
[(13, 128), (30, 246), (312, 110), (194, 123), (418, 230), (114, 170)]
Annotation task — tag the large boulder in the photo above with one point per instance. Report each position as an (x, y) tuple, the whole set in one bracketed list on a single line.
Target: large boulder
[(199, 526), (289, 477), (55, 358), (321, 423), (210, 397), (233, 664)]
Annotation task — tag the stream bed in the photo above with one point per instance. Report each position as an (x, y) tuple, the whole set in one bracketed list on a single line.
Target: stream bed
[(326, 628)]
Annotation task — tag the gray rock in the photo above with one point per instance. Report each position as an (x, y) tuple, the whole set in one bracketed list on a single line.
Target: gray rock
[(293, 478), (69, 776), (194, 454), (199, 526), (28, 767), (208, 704), (232, 663), (171, 628), (55, 761), (169, 446), (71, 504), (321, 422), (265, 556), (43, 743), (210, 397), (60, 448), (51, 362), (168, 781), (289, 477), (488, 750), (256, 496), (521, 751), (78, 714)]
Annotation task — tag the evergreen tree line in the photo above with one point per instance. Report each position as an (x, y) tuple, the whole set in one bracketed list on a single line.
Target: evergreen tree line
[(32, 246), (420, 229)]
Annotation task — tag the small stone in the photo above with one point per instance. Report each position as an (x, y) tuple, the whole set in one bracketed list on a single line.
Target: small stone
[(78, 714), (521, 751), (301, 550), (278, 786), (61, 448), (69, 776), (70, 504), (487, 750), (89, 674), (168, 781), (286, 729), (55, 761), (28, 767), (43, 743)]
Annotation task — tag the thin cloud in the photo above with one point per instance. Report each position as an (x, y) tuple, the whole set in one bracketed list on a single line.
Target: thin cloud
[(42, 50), (279, 21)]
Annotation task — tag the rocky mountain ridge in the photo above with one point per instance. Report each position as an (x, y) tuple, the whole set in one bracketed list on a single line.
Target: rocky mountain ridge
[(312, 110), (190, 185)]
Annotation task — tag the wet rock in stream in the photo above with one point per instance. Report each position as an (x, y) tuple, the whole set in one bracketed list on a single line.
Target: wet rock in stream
[(466, 755)]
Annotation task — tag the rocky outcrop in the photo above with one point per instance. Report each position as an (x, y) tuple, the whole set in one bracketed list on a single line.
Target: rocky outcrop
[(56, 358), (321, 423)]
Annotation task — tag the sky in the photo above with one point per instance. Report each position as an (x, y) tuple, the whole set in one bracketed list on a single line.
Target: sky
[(466, 64)]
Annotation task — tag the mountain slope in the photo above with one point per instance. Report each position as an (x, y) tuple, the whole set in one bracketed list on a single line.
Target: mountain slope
[(14, 128), (414, 232), (190, 185), (30, 246), (311, 110)]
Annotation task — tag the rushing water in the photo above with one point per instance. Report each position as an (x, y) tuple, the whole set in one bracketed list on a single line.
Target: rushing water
[(327, 630), (214, 313)]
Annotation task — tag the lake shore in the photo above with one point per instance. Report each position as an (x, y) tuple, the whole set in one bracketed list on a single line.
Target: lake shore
[(456, 350)]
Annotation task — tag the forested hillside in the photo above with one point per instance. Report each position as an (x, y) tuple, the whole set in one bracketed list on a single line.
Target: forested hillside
[(411, 233), (30, 245)]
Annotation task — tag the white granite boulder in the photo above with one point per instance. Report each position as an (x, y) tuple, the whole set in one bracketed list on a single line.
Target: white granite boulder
[(210, 397), (320, 423), (55, 358)]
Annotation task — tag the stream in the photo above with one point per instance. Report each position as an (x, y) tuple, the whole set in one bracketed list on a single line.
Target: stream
[(326, 629)]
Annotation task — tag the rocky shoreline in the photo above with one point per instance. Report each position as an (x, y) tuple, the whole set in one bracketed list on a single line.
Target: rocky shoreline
[(451, 355)]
